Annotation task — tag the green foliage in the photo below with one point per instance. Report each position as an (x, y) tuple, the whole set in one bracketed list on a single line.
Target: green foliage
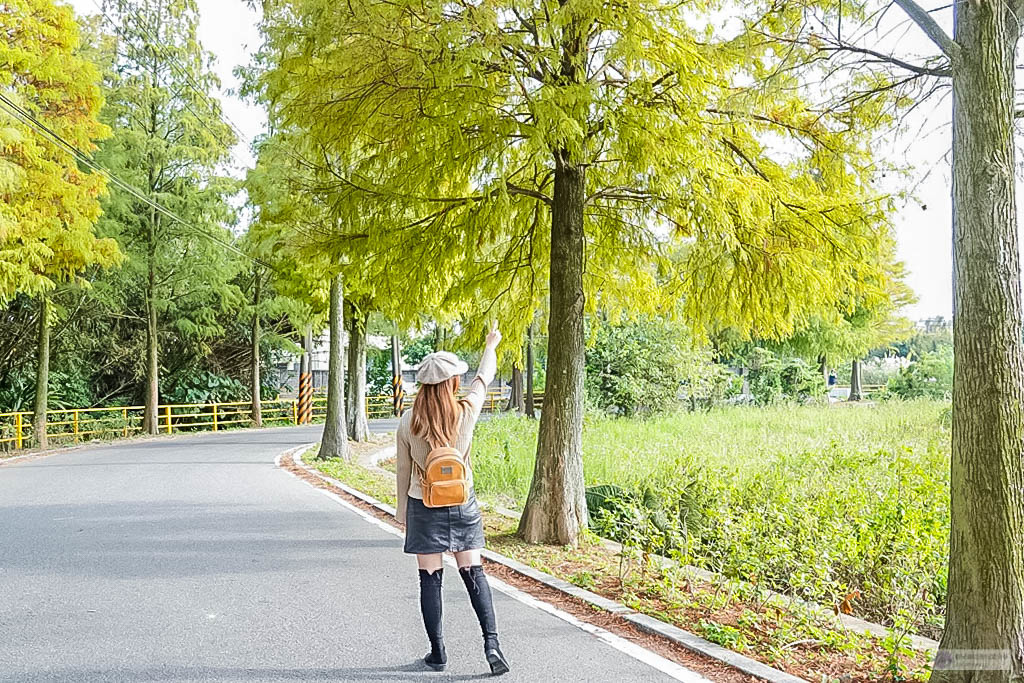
[(378, 372), (929, 376), (169, 140), (451, 146), (773, 379), (195, 385), (634, 367), (69, 386), (414, 351), (646, 366), (826, 502), (18, 389), (925, 341)]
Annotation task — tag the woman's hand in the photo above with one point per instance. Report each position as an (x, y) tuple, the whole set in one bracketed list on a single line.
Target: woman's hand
[(494, 336)]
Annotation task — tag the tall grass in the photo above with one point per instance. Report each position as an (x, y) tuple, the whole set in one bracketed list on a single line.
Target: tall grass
[(819, 501)]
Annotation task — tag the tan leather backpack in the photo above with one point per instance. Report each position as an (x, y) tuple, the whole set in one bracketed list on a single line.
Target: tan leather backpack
[(444, 478)]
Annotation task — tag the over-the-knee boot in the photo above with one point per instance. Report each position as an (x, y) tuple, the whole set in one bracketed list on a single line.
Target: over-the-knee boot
[(430, 606), (480, 596)]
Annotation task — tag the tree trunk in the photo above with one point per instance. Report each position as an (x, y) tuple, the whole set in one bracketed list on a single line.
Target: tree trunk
[(256, 389), (556, 508), (397, 393), (530, 400), (823, 368), (985, 604), (334, 443), (42, 373), (150, 421), (515, 396), (856, 394), (358, 427)]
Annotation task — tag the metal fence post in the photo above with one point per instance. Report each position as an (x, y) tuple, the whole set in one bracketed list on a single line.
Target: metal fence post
[(167, 415), (214, 417), (76, 425), (18, 439), (124, 416)]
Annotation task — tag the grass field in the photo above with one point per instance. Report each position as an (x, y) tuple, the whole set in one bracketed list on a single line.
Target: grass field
[(844, 504)]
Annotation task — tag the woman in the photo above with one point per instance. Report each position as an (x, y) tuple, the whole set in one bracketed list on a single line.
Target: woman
[(439, 419)]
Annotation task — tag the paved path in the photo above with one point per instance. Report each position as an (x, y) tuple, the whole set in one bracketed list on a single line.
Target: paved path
[(196, 559)]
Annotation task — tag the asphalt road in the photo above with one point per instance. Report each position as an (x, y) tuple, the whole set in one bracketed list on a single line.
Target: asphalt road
[(196, 559)]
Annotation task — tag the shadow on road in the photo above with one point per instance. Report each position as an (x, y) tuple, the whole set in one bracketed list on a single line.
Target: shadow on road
[(174, 540), (414, 671)]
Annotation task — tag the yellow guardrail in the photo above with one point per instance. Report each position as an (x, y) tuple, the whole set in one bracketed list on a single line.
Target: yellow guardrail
[(81, 424)]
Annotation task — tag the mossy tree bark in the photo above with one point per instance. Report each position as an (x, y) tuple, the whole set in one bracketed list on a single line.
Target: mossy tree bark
[(556, 508), (530, 399), (985, 605), (856, 392), (255, 387), (334, 443), (42, 373), (150, 421), (355, 387)]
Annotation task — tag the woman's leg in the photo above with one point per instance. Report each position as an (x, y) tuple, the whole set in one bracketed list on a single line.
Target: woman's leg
[(432, 562), (472, 572), (431, 574), (467, 558)]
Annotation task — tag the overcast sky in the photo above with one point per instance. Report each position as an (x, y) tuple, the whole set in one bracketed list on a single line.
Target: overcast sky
[(228, 29)]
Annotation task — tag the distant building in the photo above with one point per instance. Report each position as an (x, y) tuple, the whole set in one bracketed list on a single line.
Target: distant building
[(937, 324)]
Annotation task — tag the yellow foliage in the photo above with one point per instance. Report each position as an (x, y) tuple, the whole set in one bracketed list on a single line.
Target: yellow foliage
[(48, 205)]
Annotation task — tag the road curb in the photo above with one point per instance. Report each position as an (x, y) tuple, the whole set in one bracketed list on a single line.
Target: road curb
[(688, 640)]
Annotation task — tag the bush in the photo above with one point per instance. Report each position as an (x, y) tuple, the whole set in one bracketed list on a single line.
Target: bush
[(633, 368), (378, 372), (202, 386), (647, 366), (808, 500), (416, 350), (930, 376), (774, 379)]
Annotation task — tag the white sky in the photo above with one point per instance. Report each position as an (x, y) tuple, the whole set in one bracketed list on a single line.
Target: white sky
[(228, 29)]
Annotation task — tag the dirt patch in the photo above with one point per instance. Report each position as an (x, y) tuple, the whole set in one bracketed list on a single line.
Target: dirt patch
[(711, 668)]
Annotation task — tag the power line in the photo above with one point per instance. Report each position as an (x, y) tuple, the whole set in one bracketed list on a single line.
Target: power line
[(26, 117)]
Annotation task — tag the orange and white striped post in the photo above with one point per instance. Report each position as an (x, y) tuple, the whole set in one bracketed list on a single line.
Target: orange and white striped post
[(305, 398), (305, 409), (397, 394)]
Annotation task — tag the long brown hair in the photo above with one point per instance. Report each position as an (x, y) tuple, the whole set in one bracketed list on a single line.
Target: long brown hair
[(436, 413)]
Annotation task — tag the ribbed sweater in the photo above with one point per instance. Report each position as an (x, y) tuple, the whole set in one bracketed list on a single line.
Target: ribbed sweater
[(412, 448)]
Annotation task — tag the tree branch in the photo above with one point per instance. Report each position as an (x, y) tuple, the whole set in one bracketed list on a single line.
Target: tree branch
[(930, 27), (943, 71)]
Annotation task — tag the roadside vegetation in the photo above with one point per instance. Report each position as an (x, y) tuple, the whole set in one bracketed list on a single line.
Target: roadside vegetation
[(841, 505)]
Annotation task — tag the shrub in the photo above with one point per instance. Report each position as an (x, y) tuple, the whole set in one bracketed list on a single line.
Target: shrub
[(930, 376), (378, 372), (202, 386), (646, 366), (633, 368), (808, 500), (774, 379)]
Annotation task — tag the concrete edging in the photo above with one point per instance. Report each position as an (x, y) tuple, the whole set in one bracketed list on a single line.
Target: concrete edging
[(688, 640)]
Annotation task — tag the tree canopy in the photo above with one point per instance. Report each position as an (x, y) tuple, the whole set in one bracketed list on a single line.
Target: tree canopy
[(48, 205)]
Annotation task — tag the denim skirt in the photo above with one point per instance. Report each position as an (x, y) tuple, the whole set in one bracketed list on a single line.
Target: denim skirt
[(443, 530)]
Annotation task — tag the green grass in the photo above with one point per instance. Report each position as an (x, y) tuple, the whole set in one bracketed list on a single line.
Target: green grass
[(816, 501), (378, 485)]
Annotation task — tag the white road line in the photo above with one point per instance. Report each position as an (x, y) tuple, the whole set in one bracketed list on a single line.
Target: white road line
[(676, 671)]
